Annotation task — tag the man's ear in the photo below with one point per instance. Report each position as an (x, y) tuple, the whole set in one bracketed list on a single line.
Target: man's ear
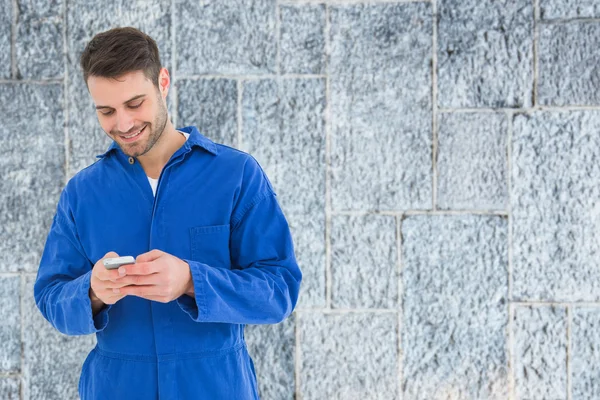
[(164, 81)]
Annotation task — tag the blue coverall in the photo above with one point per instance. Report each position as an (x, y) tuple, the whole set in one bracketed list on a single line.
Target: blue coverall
[(215, 209)]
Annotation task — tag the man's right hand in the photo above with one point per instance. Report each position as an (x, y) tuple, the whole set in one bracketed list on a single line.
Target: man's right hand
[(103, 282)]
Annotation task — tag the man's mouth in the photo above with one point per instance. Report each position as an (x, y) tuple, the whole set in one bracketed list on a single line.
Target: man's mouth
[(134, 135)]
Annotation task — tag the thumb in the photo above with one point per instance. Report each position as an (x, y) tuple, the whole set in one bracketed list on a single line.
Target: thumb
[(110, 254), (149, 256)]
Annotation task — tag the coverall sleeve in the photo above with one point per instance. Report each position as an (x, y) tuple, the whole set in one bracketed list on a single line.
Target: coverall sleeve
[(61, 289), (263, 284)]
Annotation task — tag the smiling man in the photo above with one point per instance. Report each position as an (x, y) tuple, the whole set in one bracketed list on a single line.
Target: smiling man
[(212, 248)]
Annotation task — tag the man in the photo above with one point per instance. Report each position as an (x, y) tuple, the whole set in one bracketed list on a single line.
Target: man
[(213, 249)]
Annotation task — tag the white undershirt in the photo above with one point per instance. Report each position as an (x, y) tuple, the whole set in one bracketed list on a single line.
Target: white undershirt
[(154, 182)]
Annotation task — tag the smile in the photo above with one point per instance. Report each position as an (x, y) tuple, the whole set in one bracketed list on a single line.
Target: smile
[(133, 135)]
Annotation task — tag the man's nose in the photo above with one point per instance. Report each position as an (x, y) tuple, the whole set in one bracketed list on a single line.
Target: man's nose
[(124, 122)]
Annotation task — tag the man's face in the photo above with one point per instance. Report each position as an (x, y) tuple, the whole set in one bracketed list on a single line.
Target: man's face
[(131, 110)]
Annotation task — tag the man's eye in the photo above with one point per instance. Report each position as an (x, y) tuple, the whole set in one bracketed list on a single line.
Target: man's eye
[(106, 113), (135, 105)]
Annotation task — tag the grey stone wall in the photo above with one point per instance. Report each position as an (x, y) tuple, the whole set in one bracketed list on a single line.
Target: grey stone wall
[(438, 162)]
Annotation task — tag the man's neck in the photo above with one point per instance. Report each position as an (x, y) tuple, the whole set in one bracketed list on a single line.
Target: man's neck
[(169, 142)]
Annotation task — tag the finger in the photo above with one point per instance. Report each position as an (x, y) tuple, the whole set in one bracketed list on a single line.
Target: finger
[(115, 285), (103, 273), (108, 296), (144, 268), (114, 298), (140, 280), (109, 274), (140, 291), (149, 256)]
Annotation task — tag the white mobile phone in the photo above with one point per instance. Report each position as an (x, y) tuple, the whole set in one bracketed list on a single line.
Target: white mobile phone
[(114, 263)]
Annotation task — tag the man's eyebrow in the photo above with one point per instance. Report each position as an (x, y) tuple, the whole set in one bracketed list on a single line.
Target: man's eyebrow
[(125, 102)]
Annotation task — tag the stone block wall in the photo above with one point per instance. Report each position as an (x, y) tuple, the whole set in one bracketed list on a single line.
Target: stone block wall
[(438, 162)]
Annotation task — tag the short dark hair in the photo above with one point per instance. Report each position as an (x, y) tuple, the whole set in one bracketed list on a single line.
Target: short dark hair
[(117, 51)]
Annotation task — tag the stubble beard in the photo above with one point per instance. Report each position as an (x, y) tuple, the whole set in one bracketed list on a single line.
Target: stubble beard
[(154, 131)]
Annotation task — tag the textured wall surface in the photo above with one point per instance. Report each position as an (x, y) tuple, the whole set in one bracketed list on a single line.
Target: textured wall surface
[(438, 162)]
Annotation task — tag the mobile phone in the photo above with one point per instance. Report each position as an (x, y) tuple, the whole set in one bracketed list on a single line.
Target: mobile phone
[(114, 263)]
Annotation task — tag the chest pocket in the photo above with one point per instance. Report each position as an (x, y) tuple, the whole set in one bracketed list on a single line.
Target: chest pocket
[(210, 245)]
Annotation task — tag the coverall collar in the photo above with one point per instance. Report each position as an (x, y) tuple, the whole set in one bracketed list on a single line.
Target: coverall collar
[(195, 139)]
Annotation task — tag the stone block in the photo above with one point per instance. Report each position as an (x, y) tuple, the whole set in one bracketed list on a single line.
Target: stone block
[(6, 19), (302, 42), (455, 313), (585, 353), (555, 206), (364, 261), (284, 129), (555, 9), (308, 235), (380, 82), (568, 64), (540, 353), (348, 357), (32, 170), (485, 53), (211, 105), (10, 329), (10, 388), (472, 161), (226, 37), (39, 44)]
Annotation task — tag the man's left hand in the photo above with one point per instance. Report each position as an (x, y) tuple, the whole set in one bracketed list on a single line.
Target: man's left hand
[(157, 276)]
